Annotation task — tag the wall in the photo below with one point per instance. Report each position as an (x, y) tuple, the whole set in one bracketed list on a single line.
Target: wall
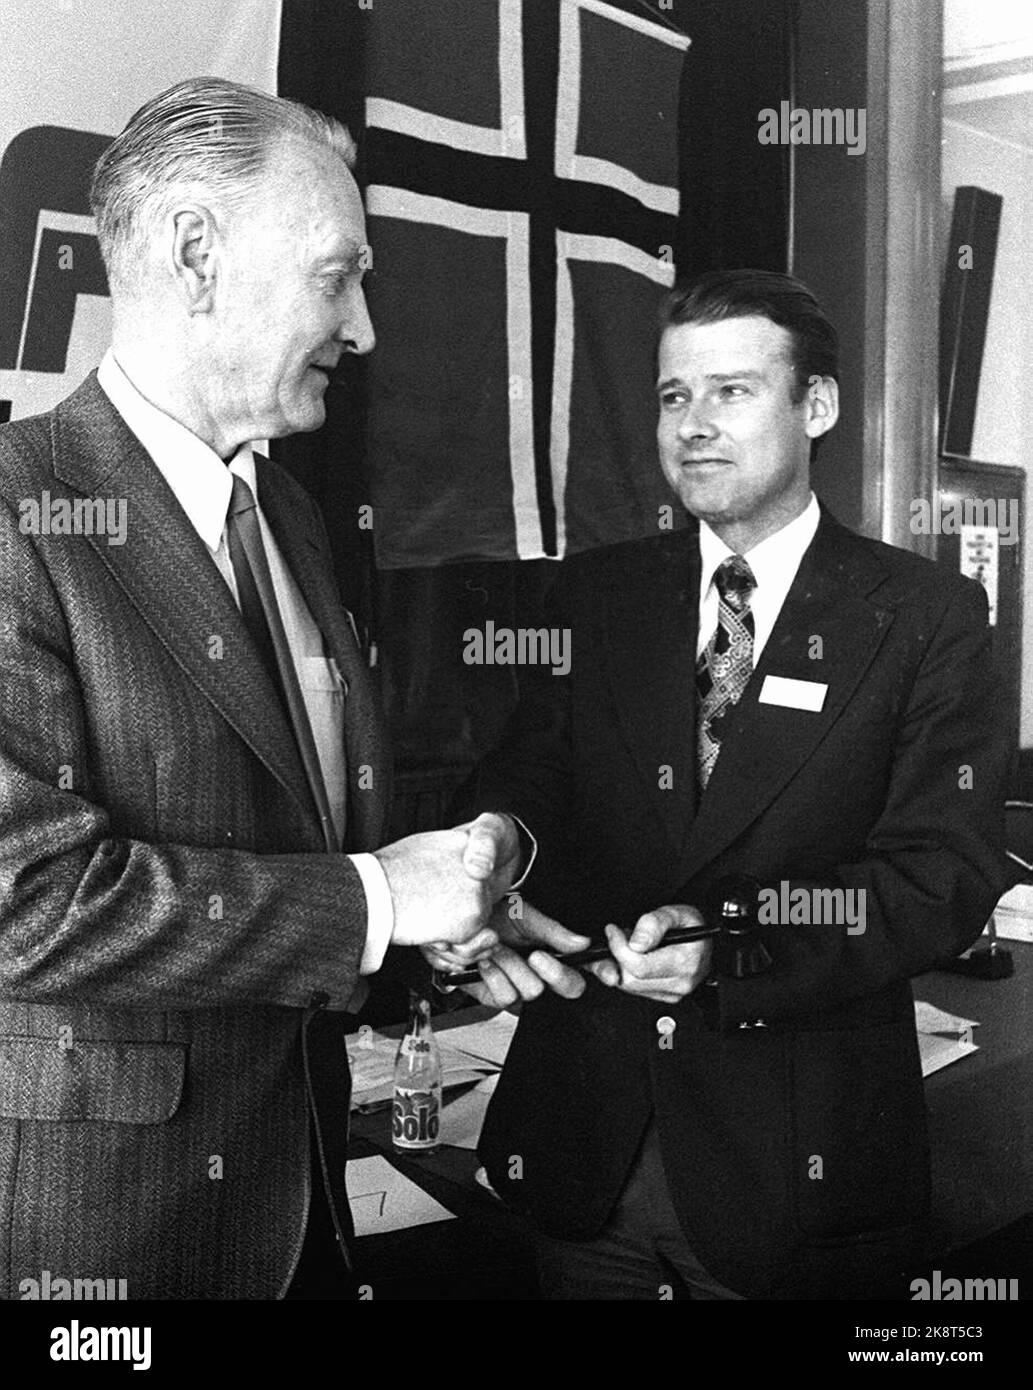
[(1004, 415), (829, 244)]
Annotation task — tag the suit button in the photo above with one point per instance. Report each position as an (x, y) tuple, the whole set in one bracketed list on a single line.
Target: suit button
[(665, 1024)]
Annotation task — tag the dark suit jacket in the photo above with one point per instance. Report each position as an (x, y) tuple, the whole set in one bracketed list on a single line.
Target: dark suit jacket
[(154, 971), (796, 1151)]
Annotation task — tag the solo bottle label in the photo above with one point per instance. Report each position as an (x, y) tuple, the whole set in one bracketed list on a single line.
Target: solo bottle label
[(416, 1109)]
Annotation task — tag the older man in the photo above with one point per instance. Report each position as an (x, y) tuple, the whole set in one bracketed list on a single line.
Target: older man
[(192, 763), (764, 693)]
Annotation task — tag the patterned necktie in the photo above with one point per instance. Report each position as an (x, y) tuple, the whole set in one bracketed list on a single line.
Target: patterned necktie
[(726, 663), (261, 615)]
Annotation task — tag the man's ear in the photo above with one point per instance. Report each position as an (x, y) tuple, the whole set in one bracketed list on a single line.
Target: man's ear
[(822, 405), (193, 250)]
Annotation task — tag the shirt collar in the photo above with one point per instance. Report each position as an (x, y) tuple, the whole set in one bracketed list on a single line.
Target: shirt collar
[(772, 556), (195, 473)]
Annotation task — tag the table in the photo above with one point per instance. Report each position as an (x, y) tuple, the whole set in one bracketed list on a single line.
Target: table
[(485, 1254), (981, 1108), (981, 1129)]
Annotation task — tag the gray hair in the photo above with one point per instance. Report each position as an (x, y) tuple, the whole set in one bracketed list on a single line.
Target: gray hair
[(202, 136)]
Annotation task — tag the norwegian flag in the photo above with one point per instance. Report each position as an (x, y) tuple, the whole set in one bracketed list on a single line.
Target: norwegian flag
[(522, 191), (522, 161), (528, 166)]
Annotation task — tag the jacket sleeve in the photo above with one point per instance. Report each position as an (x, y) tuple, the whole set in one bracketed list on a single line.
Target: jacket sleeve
[(89, 916)]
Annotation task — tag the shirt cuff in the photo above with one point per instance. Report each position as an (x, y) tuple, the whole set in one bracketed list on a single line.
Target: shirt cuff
[(380, 920), (528, 846)]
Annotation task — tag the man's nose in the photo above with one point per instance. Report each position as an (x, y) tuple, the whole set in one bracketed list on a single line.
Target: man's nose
[(356, 330), (696, 423)]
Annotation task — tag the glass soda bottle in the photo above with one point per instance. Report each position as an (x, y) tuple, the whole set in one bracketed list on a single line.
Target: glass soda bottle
[(416, 1109)]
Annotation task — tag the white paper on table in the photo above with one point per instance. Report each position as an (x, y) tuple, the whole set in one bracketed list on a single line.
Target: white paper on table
[(937, 1052), (371, 1057), (383, 1199), (1012, 927), (1013, 915), (458, 1066), (930, 1019), (481, 1177), (488, 1039), (462, 1118), (372, 1060), (943, 1038)]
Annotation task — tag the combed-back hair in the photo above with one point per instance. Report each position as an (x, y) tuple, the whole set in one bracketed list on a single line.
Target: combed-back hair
[(200, 137), (786, 301)]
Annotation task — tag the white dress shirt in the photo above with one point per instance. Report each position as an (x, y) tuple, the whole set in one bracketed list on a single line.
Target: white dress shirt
[(774, 564), (202, 486)]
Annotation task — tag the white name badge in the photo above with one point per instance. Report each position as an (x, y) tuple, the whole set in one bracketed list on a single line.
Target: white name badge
[(780, 690)]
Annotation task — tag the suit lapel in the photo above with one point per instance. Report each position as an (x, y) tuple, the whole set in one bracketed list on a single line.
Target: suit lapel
[(167, 573), (364, 724), (652, 614), (765, 745)]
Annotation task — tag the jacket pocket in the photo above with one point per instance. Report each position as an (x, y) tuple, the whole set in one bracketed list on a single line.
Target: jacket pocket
[(124, 1083)]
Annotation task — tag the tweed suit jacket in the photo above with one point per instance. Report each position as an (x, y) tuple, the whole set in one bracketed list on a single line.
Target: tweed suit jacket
[(168, 914), (789, 1107)]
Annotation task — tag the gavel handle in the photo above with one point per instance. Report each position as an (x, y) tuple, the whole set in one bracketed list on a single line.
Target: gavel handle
[(447, 980)]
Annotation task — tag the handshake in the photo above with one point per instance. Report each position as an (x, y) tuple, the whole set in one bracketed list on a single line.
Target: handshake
[(445, 883), (449, 888), (449, 892)]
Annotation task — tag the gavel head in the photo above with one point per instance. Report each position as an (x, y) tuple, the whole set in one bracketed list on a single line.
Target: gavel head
[(733, 907), (732, 904)]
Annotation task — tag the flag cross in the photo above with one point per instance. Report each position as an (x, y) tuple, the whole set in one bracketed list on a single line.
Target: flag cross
[(556, 208)]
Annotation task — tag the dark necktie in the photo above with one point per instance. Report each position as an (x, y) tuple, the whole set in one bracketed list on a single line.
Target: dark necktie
[(726, 663), (261, 614)]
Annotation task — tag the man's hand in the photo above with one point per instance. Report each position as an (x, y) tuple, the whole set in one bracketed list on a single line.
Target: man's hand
[(492, 851), (642, 966), (444, 883), (508, 976)]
